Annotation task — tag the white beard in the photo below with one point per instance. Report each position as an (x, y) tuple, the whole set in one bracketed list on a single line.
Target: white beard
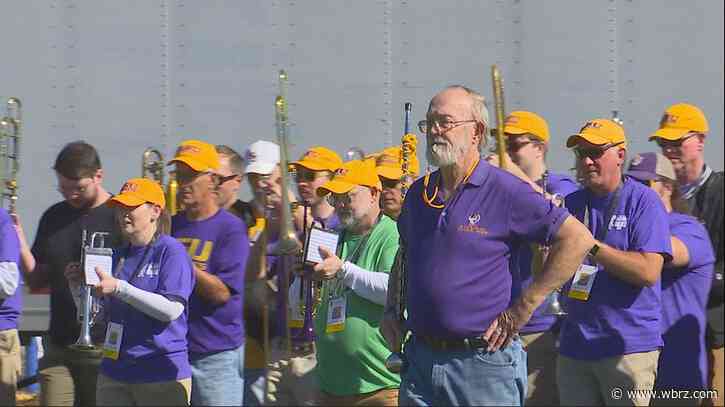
[(444, 155)]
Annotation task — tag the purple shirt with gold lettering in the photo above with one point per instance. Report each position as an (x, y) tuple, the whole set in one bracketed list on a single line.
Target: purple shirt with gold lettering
[(219, 246), (457, 257), (618, 318)]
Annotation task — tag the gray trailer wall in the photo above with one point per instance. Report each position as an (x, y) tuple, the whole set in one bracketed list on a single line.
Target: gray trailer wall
[(132, 74)]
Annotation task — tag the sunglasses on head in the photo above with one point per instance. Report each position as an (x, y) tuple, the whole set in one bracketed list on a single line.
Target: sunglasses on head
[(594, 153)]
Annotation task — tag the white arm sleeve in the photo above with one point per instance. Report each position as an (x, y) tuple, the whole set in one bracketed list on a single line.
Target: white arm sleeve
[(9, 279), (371, 285), (154, 305)]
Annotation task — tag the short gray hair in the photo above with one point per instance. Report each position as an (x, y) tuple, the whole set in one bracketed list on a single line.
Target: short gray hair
[(479, 111)]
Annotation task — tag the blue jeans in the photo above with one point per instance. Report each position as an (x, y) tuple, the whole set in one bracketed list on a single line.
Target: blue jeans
[(254, 387), (463, 377), (217, 379)]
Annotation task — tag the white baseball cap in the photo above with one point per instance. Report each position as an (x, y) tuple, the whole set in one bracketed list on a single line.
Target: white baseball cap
[(261, 157)]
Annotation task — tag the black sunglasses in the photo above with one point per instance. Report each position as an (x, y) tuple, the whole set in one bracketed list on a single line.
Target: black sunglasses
[(389, 183), (594, 153)]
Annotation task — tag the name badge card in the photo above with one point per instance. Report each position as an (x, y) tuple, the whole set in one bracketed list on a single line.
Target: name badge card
[(316, 238), (296, 316), (336, 315), (583, 282), (112, 345)]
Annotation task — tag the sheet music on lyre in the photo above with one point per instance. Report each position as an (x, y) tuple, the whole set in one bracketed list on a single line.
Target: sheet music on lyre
[(320, 237)]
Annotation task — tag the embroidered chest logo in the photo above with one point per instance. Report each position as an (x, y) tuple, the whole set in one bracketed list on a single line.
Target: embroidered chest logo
[(472, 226), (618, 222), (151, 270)]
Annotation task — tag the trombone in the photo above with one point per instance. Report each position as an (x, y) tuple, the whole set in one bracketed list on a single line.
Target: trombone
[(152, 167), (10, 132)]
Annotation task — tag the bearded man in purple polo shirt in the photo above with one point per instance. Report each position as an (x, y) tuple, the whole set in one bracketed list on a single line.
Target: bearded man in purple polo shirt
[(218, 245), (611, 336), (458, 229), (686, 282)]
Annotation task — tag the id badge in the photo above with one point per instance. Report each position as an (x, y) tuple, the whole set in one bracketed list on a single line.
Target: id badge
[(583, 281), (296, 316), (112, 345), (336, 315)]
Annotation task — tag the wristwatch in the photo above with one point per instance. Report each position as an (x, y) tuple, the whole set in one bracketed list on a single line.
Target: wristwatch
[(593, 251)]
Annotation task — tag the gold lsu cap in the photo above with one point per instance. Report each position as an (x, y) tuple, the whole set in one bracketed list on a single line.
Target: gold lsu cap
[(198, 155), (353, 173), (599, 132), (523, 122), (679, 120), (138, 191)]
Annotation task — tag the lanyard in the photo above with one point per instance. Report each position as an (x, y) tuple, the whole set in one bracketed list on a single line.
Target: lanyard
[(140, 267), (610, 211), (337, 288)]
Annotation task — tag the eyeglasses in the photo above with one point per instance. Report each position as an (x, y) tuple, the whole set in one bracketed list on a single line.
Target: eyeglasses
[(339, 199), (389, 183), (674, 143), (442, 126), (74, 190), (593, 153), (184, 177), (513, 147), (304, 175), (223, 179)]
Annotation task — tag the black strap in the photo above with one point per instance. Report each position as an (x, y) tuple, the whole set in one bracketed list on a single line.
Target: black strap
[(355, 256), (609, 214)]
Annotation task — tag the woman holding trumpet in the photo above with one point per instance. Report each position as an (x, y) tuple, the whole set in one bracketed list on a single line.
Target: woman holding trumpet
[(146, 358)]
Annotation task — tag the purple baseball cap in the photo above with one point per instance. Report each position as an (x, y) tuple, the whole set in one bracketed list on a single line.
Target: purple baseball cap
[(649, 166)]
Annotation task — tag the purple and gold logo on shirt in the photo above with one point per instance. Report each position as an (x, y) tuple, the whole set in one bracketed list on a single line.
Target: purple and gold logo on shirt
[(198, 257), (472, 226)]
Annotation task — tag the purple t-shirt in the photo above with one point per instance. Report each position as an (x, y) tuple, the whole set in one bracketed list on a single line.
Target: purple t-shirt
[(458, 257), (10, 253), (619, 318), (151, 350), (683, 362), (219, 246), (561, 185)]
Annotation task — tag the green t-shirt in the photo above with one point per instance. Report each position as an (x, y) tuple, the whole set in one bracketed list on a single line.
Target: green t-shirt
[(353, 361)]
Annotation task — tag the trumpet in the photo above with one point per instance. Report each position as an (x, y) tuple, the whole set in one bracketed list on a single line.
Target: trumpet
[(152, 167), (553, 302), (89, 305), (10, 131)]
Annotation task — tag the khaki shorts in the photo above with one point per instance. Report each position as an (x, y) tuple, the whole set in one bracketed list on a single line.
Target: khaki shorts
[(607, 381), (169, 393), (10, 366), (66, 375)]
